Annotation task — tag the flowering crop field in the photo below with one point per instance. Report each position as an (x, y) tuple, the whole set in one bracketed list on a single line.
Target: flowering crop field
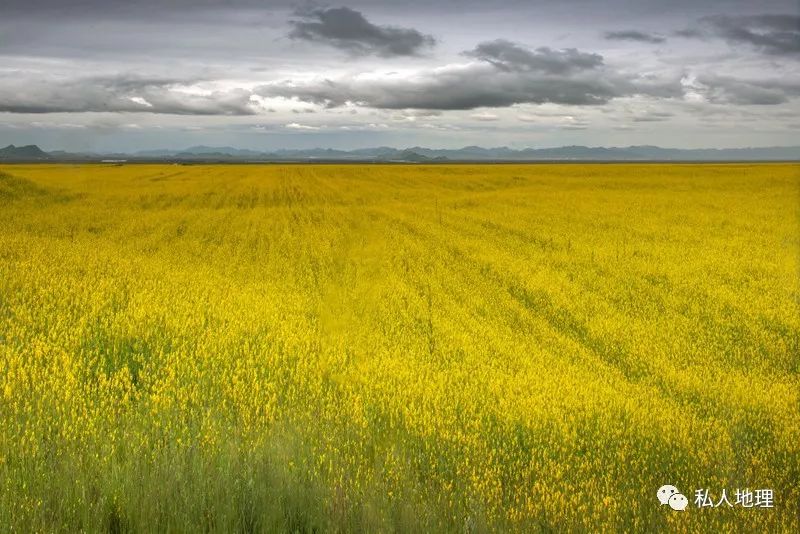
[(410, 348)]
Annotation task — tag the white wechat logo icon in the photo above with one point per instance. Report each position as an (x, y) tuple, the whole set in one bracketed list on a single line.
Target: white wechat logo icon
[(670, 495)]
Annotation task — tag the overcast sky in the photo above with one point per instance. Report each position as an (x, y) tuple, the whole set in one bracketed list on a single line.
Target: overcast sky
[(114, 75)]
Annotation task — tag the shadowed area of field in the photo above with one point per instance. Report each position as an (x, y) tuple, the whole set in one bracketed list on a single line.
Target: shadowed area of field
[(397, 348)]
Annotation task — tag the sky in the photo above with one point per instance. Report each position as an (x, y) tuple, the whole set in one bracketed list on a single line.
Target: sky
[(114, 75)]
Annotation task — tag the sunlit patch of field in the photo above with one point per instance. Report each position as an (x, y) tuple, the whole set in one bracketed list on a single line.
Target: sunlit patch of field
[(397, 348)]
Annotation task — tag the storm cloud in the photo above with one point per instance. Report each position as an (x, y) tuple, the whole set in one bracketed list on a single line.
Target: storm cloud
[(508, 73), (508, 56), (777, 35), (348, 29)]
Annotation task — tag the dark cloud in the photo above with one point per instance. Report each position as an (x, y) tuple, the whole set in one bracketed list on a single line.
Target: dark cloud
[(447, 91), (509, 56), (349, 30), (771, 34), (117, 94), (634, 35), (507, 74)]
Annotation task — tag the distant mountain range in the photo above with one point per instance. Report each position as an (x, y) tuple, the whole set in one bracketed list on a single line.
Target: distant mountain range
[(23, 153), (32, 153)]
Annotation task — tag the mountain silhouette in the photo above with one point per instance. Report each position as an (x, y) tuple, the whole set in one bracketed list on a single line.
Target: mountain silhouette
[(23, 153)]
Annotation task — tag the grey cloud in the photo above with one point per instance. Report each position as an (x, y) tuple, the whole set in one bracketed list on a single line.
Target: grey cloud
[(634, 35), (349, 30), (117, 94), (506, 75), (772, 34), (777, 35), (509, 56), (454, 90), (729, 90)]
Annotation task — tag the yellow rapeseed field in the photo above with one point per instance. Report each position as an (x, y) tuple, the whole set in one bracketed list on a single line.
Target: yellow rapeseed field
[(377, 348)]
